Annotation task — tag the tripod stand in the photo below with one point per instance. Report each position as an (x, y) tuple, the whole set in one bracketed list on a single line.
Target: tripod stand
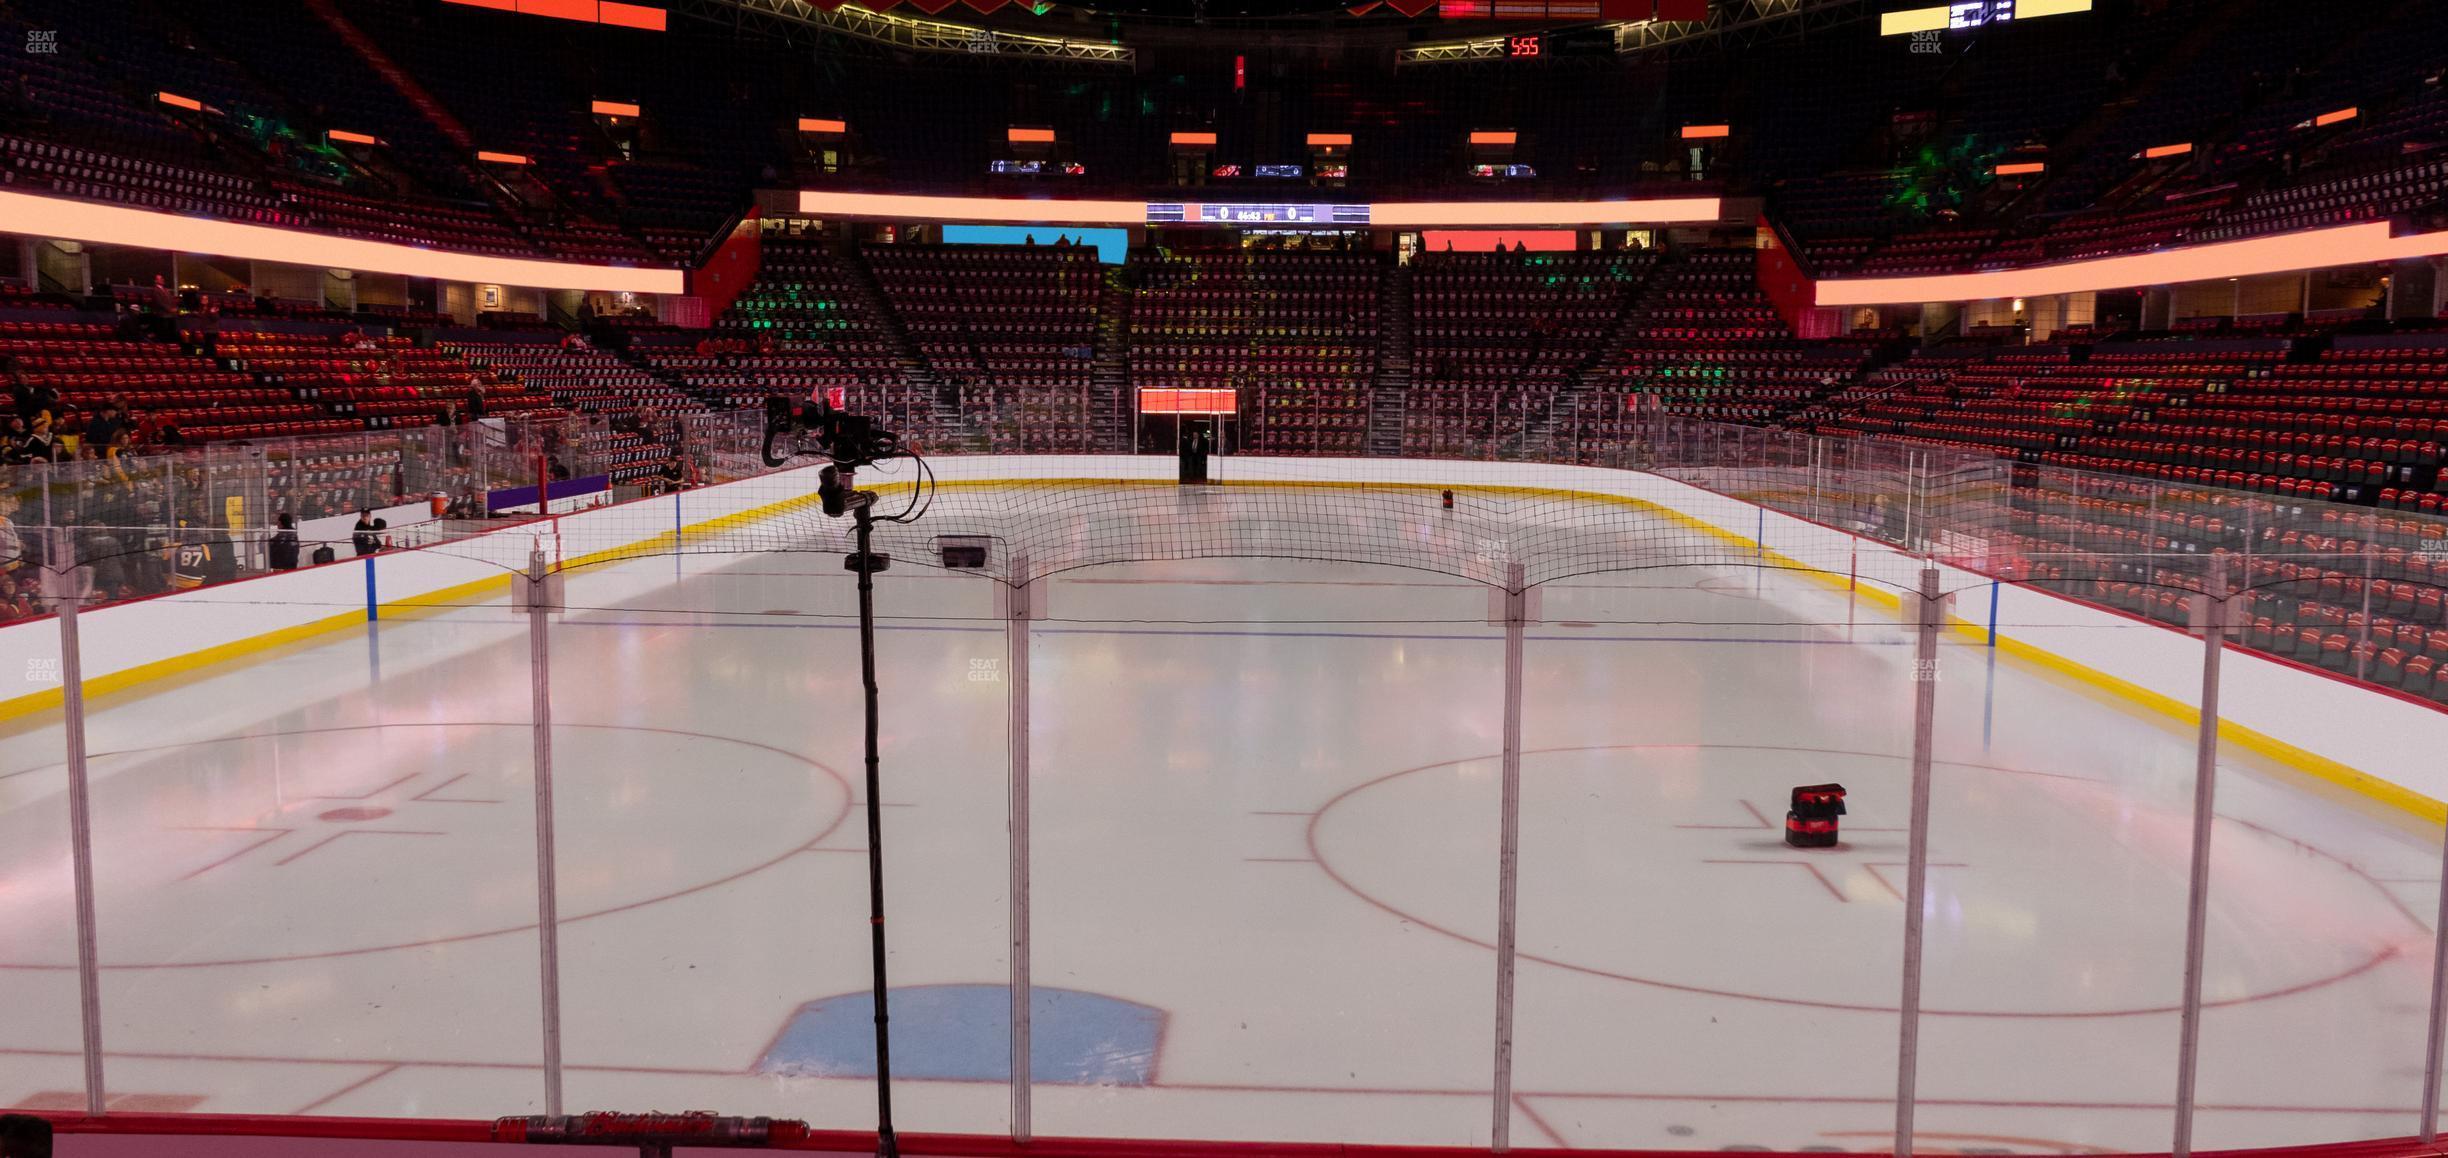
[(866, 562)]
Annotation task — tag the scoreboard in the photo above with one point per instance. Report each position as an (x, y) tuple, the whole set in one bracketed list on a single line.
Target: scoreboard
[(1294, 214), (1961, 14)]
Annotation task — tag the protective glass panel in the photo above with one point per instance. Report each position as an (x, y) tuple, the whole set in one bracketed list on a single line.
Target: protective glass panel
[(41, 1042), (1265, 808), (315, 857)]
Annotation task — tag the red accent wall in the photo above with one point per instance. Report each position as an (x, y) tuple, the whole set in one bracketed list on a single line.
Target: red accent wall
[(1792, 290), (726, 275)]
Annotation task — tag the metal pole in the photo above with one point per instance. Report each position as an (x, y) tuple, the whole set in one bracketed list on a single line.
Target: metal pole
[(1016, 645), (1912, 500), (1508, 856), (887, 1144), (2371, 552), (548, 918), (2438, 1043), (2213, 616), (80, 841), (1932, 612)]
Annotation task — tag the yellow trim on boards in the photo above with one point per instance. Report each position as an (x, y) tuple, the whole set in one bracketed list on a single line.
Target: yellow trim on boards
[(2300, 760), (440, 599), (2278, 751)]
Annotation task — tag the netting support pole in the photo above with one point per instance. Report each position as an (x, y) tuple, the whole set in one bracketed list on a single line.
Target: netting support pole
[(1508, 854), (2371, 553), (548, 917), (2438, 1038), (1932, 615), (2211, 614), (1016, 643), (80, 841)]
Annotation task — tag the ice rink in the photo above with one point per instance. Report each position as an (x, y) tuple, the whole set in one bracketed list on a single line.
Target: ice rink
[(1264, 872)]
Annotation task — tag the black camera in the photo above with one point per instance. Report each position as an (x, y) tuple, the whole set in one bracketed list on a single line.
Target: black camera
[(816, 429)]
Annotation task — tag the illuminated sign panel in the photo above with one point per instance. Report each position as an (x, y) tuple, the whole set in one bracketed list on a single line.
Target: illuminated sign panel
[(1295, 214), (1160, 401), (2366, 244), (1962, 14), (33, 216), (1383, 214), (611, 12), (1974, 13)]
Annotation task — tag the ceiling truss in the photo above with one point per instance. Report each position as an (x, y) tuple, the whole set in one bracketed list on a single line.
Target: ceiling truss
[(787, 17), (1737, 24)]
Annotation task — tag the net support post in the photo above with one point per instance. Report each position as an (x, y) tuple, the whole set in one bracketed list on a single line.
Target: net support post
[(2371, 560), (2436, 1041), (2212, 609), (1017, 609), (80, 843), (541, 597), (1508, 854), (1930, 609)]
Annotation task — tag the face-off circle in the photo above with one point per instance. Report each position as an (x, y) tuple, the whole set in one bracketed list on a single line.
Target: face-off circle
[(346, 841), (1664, 866)]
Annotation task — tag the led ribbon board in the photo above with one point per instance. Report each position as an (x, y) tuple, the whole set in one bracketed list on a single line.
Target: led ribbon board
[(1292, 213)]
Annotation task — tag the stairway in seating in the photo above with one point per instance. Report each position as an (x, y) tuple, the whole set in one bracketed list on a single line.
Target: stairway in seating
[(398, 78), (1631, 309), (1111, 399), (942, 401), (1391, 393)]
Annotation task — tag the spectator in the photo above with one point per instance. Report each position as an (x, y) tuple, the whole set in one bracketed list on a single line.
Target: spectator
[(192, 562), (39, 444), (221, 554), (12, 547), (24, 1136), (117, 453), (283, 550), (366, 536), (99, 549), (102, 430)]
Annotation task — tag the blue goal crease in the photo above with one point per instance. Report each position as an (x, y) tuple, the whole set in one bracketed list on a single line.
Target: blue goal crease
[(963, 1033)]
